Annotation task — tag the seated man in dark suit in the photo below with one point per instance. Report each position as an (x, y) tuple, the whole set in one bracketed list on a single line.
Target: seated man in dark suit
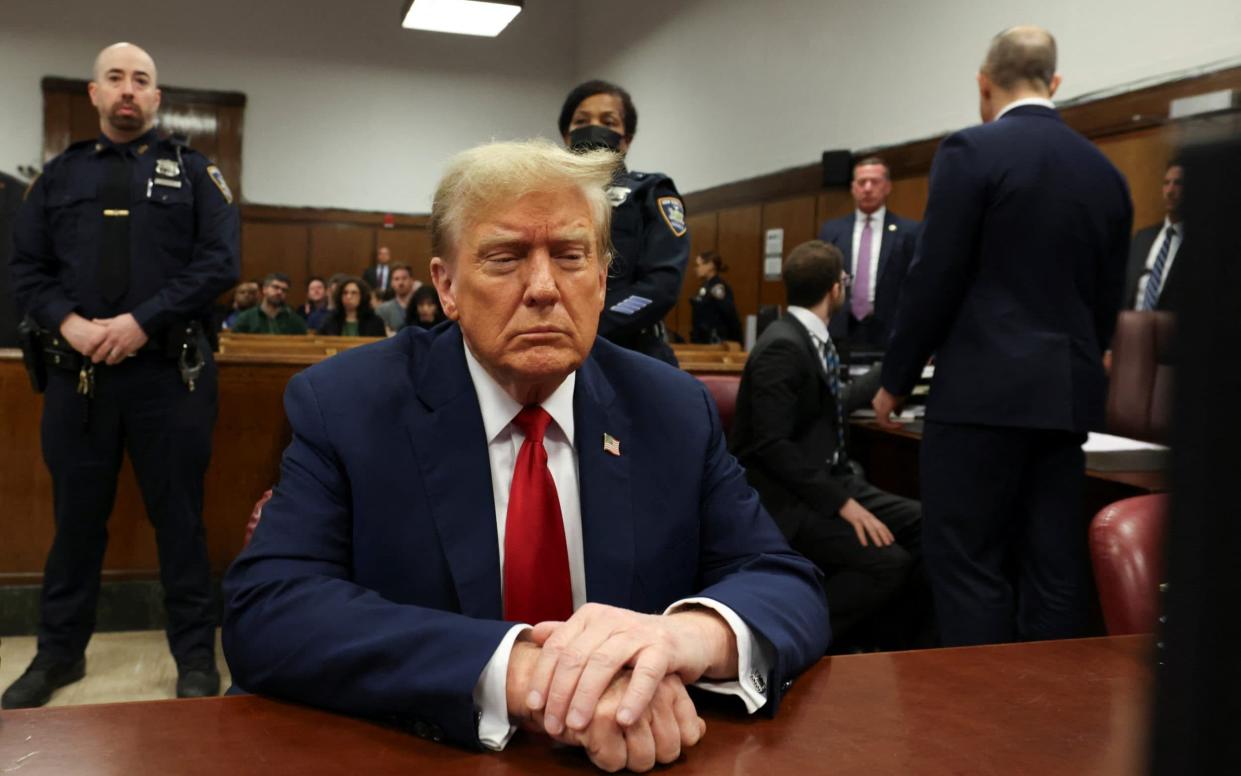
[(877, 245), (1150, 282), (538, 485), (789, 434)]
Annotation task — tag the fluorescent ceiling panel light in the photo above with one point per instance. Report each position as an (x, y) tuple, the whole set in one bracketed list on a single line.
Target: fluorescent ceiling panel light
[(464, 17)]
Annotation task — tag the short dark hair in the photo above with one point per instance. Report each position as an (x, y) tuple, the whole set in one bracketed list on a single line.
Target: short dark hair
[(810, 271), (1021, 55), (397, 266), (873, 160), (713, 258), (313, 278), (590, 89), (272, 277)]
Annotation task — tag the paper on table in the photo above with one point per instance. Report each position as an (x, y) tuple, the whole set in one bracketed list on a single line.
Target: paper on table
[(1108, 443)]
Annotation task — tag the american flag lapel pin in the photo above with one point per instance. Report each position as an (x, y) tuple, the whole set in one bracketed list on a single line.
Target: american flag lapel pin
[(611, 445)]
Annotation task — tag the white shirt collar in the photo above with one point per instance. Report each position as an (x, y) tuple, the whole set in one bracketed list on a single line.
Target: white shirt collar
[(499, 409), (876, 217), (1042, 102), (813, 323), (1180, 226)]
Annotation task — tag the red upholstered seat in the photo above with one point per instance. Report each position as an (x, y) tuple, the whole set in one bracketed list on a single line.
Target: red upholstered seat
[(256, 515), (723, 388), (1127, 551), (1139, 398)]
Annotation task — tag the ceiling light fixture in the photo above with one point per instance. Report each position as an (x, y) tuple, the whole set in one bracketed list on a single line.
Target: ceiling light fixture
[(464, 17)]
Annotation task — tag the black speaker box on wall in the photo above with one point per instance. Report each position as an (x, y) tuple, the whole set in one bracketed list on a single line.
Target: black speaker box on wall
[(837, 168)]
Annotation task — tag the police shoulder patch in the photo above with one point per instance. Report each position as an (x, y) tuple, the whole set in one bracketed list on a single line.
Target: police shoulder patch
[(674, 214), (218, 179), (718, 291)]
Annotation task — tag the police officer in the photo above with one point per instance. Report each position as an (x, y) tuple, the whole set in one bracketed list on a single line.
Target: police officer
[(649, 236), (120, 248), (713, 311)]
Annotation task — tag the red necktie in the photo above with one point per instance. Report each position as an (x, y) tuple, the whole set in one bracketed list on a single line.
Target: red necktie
[(536, 560)]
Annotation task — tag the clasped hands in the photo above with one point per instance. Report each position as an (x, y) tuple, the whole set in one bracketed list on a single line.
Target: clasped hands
[(613, 681), (111, 340)]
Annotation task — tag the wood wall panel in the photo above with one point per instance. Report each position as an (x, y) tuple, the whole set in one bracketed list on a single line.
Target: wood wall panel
[(411, 246), (340, 248), (739, 240), (270, 247), (908, 197), (796, 216), (832, 203), (1141, 156)]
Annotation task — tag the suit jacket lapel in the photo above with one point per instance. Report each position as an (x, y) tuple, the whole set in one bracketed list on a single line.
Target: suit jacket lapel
[(450, 445), (812, 350), (606, 502), (888, 238)]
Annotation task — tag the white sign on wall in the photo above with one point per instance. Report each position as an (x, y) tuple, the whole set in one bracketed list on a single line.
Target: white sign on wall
[(773, 254)]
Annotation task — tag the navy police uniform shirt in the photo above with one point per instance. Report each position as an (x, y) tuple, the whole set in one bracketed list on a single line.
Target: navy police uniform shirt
[(714, 313), (651, 249), (183, 235)]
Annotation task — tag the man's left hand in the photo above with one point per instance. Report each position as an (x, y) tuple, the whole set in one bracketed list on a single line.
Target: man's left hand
[(886, 405), (123, 339), (580, 657)]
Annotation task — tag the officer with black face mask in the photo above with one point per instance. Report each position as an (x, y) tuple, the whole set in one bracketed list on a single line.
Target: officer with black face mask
[(649, 235)]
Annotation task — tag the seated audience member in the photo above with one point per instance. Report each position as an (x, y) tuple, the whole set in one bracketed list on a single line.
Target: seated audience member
[(353, 315), (315, 308), (424, 309), (878, 246), (543, 489), (272, 315), (789, 434), (1150, 283), (392, 312), (245, 296)]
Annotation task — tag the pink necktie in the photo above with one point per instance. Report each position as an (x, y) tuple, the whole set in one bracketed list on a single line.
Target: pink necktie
[(536, 559), (860, 303)]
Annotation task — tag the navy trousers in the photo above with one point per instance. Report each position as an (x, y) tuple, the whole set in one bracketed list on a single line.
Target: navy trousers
[(142, 407), (1005, 533)]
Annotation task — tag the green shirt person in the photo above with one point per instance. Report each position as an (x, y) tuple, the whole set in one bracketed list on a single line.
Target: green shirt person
[(272, 315)]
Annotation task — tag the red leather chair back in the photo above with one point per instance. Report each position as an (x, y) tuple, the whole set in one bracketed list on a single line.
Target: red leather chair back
[(1139, 399), (723, 388), (256, 515), (1127, 551)]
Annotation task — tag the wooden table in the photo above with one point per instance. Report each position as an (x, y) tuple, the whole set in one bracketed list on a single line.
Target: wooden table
[(1065, 707), (890, 459)]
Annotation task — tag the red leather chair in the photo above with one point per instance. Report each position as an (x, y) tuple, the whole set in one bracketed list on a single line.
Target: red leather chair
[(1126, 549), (256, 515), (723, 388), (1139, 397)]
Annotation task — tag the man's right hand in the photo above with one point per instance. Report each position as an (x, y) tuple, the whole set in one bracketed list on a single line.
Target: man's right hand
[(866, 524), (669, 724), (82, 335)]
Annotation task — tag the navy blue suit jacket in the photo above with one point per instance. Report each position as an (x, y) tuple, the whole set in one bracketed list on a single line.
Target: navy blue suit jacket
[(1017, 277), (372, 584), (896, 249)]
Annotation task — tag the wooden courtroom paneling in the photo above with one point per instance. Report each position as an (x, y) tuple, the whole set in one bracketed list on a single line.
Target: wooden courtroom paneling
[(341, 248), (796, 217), (411, 246), (739, 239), (249, 436), (702, 237), (908, 197), (832, 203), (270, 247), (1141, 156)]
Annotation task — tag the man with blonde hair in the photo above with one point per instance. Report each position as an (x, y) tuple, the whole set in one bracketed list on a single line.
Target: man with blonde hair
[(563, 555)]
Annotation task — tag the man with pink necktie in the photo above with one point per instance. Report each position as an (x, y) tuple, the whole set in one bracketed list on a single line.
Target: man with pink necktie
[(877, 245)]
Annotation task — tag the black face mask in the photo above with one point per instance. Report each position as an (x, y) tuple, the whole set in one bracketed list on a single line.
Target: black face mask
[(593, 136)]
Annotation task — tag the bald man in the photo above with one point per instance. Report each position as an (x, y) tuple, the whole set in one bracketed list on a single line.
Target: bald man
[(1015, 288), (120, 248)]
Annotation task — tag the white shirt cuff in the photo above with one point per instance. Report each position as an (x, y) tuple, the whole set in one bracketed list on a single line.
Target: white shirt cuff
[(754, 658), (490, 698)]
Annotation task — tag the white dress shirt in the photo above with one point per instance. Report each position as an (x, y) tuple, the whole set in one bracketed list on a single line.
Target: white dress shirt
[(876, 240), (813, 323), (1154, 254), (504, 440), (1040, 101)]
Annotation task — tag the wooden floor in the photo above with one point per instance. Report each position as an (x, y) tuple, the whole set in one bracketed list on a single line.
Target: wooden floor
[(132, 666)]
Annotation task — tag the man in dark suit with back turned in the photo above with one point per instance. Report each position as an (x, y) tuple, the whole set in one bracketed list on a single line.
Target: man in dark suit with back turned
[(1014, 288), (1151, 282), (789, 434), (447, 489), (877, 245)]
